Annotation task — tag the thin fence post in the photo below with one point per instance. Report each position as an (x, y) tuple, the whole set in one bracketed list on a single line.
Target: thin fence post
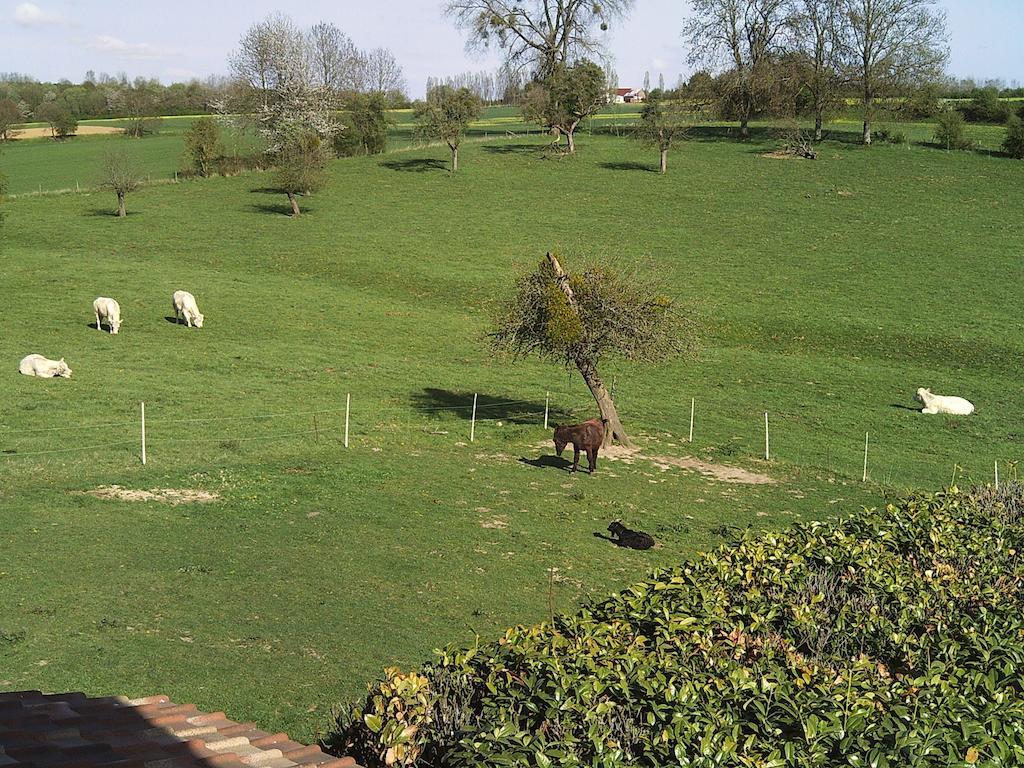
[(472, 424), (767, 452), (348, 403), (864, 478), (142, 408), (547, 402), (693, 405), (997, 474)]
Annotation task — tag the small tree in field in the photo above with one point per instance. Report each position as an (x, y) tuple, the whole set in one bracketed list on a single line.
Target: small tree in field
[(202, 142), (446, 114), (565, 98), (120, 175), (949, 130), (10, 116), (301, 168), (662, 124), (1013, 144), (62, 123), (580, 319)]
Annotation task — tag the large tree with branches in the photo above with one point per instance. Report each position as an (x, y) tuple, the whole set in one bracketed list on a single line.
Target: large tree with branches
[(821, 43), (537, 35), (748, 37), (581, 319), (895, 45)]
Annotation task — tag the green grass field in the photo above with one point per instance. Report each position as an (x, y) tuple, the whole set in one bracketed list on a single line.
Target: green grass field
[(830, 290)]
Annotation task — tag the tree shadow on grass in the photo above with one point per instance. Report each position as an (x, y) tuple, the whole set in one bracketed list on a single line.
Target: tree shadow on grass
[(514, 149), (547, 461), (283, 209), (416, 165), (111, 213), (625, 165), (444, 401)]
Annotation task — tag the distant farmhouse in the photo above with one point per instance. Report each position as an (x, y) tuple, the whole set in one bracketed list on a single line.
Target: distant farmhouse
[(627, 96)]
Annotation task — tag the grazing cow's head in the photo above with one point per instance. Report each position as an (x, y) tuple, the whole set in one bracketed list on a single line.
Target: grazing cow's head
[(115, 325), (63, 369), (198, 322), (561, 440), (921, 392)]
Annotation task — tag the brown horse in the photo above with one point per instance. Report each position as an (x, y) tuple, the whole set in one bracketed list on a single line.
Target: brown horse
[(587, 436)]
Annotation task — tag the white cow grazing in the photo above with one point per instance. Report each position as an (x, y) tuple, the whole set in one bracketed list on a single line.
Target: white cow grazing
[(37, 365), (185, 306), (109, 310), (957, 406)]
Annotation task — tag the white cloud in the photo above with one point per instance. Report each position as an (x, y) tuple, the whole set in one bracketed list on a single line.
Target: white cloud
[(119, 47), (31, 15)]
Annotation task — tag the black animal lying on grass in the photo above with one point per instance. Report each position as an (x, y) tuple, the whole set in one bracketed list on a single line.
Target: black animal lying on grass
[(624, 537)]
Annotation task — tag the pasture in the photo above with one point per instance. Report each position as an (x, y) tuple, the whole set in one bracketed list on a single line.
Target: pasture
[(829, 291)]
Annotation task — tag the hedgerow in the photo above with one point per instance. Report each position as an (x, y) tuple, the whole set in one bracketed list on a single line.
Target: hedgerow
[(892, 637)]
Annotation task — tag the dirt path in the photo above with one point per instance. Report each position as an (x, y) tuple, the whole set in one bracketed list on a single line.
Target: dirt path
[(45, 133)]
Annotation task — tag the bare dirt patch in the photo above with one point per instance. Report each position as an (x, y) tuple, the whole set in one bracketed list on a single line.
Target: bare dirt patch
[(721, 472), (46, 133), (166, 495), (779, 154)]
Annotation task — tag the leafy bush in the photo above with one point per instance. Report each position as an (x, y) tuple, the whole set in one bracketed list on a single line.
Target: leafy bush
[(1013, 144), (892, 135), (949, 131), (986, 107), (366, 126), (892, 637)]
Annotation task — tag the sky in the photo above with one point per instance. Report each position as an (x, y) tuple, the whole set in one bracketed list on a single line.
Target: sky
[(183, 39)]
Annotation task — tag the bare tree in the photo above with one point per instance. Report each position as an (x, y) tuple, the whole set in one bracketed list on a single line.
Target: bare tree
[(381, 72), (746, 35), (821, 42), (256, 62), (582, 318), (537, 34), (121, 176), (335, 60), (895, 44)]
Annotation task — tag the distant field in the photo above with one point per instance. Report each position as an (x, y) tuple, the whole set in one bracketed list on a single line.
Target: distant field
[(830, 291), (42, 165)]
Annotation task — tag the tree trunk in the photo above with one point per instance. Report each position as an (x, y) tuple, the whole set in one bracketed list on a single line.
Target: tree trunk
[(121, 212), (664, 161), (609, 414), (868, 106), (744, 128), (295, 204), (571, 136), (817, 125), (613, 428), (455, 159)]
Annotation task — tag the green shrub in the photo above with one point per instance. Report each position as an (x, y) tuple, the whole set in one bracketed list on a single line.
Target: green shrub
[(1013, 144), (893, 637), (985, 106), (949, 131), (366, 126), (892, 135)]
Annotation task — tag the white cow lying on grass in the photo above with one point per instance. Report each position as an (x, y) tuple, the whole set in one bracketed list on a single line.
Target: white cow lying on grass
[(957, 406), (185, 306), (37, 365), (109, 310)]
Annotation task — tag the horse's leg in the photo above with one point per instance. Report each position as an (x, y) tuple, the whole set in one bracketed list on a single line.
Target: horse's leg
[(575, 458), (592, 459)]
